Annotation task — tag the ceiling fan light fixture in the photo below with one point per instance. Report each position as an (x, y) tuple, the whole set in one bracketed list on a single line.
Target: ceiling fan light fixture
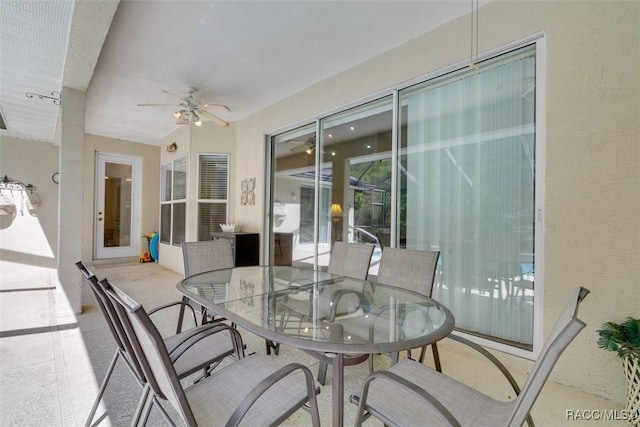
[(196, 119), (181, 117), (190, 110)]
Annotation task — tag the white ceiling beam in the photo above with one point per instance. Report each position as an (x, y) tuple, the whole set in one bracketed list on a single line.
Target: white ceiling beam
[(90, 24)]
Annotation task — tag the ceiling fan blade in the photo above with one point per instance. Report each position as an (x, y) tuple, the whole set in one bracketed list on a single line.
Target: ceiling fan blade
[(297, 142), (299, 149), (217, 120), (156, 105), (222, 107), (173, 94)]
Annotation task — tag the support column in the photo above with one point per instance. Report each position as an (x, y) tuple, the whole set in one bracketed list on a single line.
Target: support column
[(70, 205)]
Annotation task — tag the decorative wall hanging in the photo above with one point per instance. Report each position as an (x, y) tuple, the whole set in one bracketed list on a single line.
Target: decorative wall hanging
[(172, 147), (8, 183), (248, 196), (16, 194), (56, 97)]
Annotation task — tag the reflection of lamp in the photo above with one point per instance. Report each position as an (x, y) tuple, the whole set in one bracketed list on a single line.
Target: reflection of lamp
[(336, 211), (336, 222)]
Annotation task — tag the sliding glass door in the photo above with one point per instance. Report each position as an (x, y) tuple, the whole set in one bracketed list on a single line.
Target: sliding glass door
[(333, 188), (293, 198), (356, 168), (466, 188), (447, 164)]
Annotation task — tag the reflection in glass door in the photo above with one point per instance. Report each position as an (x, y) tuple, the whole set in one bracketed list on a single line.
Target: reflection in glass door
[(293, 198), (116, 215), (353, 180), (356, 165)]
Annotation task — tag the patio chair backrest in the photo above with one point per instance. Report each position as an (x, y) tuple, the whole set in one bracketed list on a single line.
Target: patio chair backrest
[(408, 269), (206, 256), (151, 351), (564, 331), (350, 259), (113, 321)]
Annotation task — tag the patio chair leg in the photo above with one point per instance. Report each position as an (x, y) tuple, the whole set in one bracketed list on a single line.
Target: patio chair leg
[(103, 387), (370, 360), (142, 405), (167, 418), (145, 405), (270, 345), (322, 372), (436, 356)]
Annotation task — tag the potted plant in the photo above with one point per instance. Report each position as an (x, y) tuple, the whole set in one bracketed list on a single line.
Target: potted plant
[(624, 339)]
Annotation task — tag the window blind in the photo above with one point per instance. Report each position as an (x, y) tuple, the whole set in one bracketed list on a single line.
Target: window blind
[(213, 193), (214, 172)]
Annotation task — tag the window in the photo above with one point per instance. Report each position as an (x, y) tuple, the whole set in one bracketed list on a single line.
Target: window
[(173, 203), (213, 193), (458, 175)]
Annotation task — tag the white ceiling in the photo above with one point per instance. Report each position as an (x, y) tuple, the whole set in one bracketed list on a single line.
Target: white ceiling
[(244, 54), (33, 45)]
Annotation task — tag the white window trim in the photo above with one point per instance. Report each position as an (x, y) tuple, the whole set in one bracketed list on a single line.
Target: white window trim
[(171, 201)]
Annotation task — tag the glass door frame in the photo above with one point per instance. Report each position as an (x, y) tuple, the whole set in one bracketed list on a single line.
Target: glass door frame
[(133, 248)]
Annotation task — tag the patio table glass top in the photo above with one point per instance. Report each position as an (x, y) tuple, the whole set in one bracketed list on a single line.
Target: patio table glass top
[(318, 311)]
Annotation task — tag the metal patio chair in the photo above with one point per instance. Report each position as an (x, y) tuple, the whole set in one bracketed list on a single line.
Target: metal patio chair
[(198, 348), (351, 260), (207, 255), (413, 270), (255, 390), (410, 393)]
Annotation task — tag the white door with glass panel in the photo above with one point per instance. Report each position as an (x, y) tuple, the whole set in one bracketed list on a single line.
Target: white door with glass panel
[(116, 215)]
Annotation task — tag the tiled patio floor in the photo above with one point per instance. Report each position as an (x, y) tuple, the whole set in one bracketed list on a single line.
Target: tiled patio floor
[(51, 367)]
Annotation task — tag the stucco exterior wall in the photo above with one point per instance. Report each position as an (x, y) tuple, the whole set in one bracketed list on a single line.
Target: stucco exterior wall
[(149, 156), (34, 162), (592, 192), (28, 233)]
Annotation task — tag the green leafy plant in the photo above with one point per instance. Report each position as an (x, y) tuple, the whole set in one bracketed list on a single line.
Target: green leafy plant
[(623, 338)]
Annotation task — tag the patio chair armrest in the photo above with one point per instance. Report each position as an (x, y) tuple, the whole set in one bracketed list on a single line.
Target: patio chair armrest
[(335, 299), (267, 383), (406, 385), (483, 351), (182, 304), (490, 357), (195, 336)]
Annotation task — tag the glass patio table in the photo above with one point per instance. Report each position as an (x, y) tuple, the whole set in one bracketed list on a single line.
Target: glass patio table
[(326, 315)]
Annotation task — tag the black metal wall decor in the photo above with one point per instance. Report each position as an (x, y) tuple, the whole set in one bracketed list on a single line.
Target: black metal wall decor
[(56, 97), (7, 183), (10, 202)]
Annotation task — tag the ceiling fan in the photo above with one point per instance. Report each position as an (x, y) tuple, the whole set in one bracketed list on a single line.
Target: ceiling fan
[(303, 145), (191, 109)]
